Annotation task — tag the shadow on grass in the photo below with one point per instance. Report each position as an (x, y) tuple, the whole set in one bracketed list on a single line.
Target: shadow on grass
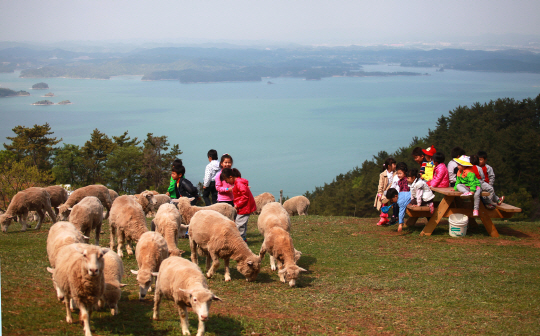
[(508, 231), (220, 325)]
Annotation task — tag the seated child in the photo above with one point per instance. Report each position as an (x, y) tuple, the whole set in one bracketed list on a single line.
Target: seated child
[(420, 192), (440, 174), (429, 166), (452, 165), (489, 175), (385, 180), (182, 186), (170, 190), (404, 196), (392, 198), (467, 183), (488, 201)]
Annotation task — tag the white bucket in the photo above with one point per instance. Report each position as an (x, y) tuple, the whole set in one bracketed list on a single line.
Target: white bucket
[(458, 225)]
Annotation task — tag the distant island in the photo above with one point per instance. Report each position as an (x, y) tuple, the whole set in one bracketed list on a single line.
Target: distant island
[(4, 92), (65, 102), (40, 86), (50, 94), (43, 102)]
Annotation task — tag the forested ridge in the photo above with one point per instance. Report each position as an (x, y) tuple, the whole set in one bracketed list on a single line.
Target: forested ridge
[(507, 129)]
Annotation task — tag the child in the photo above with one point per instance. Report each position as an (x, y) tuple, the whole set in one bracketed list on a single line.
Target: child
[(402, 187), (488, 201), (418, 156), (429, 166), (224, 189), (489, 174), (440, 174), (452, 165), (170, 190), (385, 179), (421, 194), (467, 183), (392, 198), (244, 202), (182, 186), (209, 184)]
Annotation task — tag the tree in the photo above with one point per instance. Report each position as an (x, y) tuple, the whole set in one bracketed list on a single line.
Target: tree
[(34, 143), (123, 169), (124, 140), (95, 152), (157, 160), (68, 166)]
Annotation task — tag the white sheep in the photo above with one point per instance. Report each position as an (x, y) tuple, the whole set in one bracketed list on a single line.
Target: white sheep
[(87, 215), (150, 253), (160, 200), (298, 205), (168, 223), (36, 199), (218, 237), (113, 272), (187, 210), (147, 201), (263, 199), (274, 224), (79, 276), (113, 194), (61, 234), (127, 222), (97, 190), (182, 281)]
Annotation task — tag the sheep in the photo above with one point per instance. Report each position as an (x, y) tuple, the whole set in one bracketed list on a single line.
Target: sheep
[(218, 237), (97, 190), (263, 199), (160, 199), (79, 276), (58, 196), (127, 218), (147, 201), (87, 215), (34, 198), (298, 205), (183, 282), (167, 222), (113, 195), (150, 253), (274, 224), (187, 210), (61, 234), (154, 192), (113, 272)]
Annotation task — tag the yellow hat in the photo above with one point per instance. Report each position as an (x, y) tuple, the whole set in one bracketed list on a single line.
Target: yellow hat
[(464, 160)]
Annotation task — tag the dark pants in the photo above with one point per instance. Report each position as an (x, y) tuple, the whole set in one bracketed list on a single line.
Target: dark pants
[(211, 189)]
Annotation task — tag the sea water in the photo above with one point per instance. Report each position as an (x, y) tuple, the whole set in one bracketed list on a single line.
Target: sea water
[(292, 135)]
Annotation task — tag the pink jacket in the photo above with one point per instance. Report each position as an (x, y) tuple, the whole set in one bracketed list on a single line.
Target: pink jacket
[(440, 177), (243, 198), (221, 187)]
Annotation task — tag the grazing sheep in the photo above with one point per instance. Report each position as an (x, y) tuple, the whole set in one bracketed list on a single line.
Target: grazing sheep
[(87, 215), (147, 201), (160, 199), (113, 272), (187, 210), (274, 224), (61, 234), (36, 199), (167, 223), (263, 199), (113, 195), (150, 253), (97, 190), (218, 237), (79, 276), (182, 281), (128, 221), (58, 196), (298, 205)]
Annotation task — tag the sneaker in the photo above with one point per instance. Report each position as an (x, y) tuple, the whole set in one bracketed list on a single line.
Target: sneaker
[(382, 222), (467, 194), (431, 208), (475, 213), (490, 206), (501, 200), (393, 221)]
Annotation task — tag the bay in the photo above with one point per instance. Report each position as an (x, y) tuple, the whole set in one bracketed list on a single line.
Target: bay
[(292, 135)]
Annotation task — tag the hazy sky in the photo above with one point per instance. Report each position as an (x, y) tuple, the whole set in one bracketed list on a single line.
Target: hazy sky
[(299, 21)]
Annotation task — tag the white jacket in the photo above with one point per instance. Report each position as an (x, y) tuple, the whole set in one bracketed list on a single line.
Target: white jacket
[(421, 191), (210, 172)]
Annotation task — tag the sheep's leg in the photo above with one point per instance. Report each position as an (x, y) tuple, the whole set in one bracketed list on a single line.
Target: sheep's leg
[(51, 213), (98, 232), (157, 301), (107, 215), (84, 316), (113, 233), (227, 273), (215, 265), (114, 310), (272, 263), (262, 252), (208, 261), (41, 215), (87, 233), (193, 246), (68, 310), (128, 247), (120, 236), (182, 311), (200, 330), (23, 219), (281, 266)]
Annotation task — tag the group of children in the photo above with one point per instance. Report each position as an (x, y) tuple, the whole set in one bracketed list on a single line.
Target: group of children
[(224, 183), (399, 186)]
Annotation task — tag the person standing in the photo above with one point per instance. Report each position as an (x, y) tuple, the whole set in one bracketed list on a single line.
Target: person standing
[(209, 184)]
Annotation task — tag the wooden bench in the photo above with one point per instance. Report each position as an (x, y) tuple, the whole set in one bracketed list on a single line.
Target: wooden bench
[(453, 204)]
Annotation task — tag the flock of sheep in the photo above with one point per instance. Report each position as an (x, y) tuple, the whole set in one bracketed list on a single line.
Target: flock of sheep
[(89, 277)]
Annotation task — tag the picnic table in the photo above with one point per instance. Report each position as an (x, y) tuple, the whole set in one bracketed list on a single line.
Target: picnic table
[(453, 204)]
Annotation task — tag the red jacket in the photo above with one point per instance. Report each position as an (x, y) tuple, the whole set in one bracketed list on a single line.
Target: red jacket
[(243, 198)]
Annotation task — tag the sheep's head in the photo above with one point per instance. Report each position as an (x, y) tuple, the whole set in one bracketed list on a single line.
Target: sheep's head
[(144, 278), (250, 267), (149, 196), (64, 212), (200, 301), (290, 274), (93, 256), (5, 221)]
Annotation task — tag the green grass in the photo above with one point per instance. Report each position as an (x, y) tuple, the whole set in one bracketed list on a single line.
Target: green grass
[(362, 280)]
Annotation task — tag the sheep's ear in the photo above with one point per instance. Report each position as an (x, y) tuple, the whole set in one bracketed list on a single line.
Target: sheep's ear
[(135, 272), (70, 209), (250, 263), (50, 270), (174, 200), (85, 237), (183, 226), (105, 250), (155, 274), (123, 285), (301, 269), (215, 298), (191, 199), (283, 271)]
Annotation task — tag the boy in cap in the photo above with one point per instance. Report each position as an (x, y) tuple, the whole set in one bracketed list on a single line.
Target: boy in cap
[(424, 158), (467, 182)]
